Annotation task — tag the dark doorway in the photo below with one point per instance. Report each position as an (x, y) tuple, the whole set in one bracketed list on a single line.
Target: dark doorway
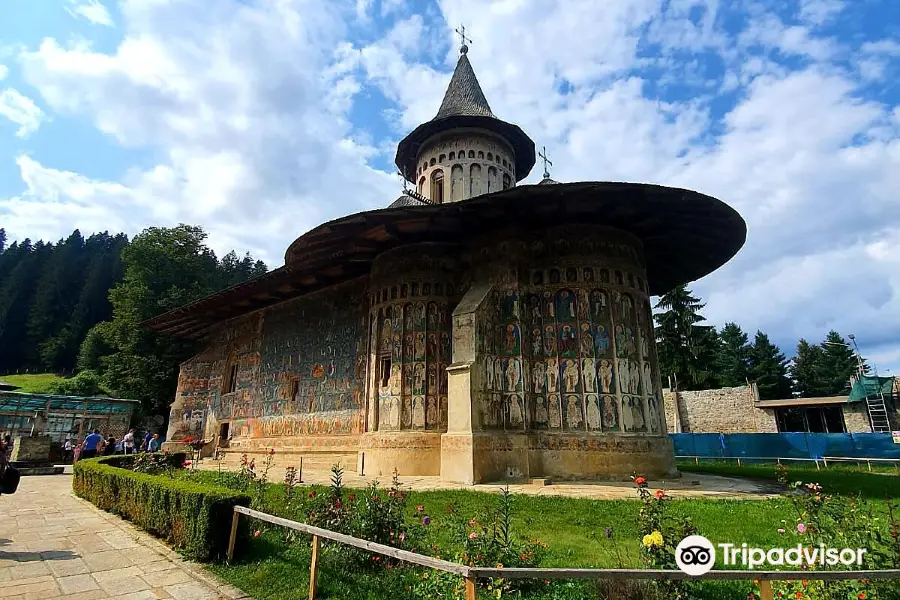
[(815, 419)]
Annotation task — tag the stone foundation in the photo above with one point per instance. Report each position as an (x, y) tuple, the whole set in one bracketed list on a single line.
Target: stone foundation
[(486, 457), (410, 452), (31, 449)]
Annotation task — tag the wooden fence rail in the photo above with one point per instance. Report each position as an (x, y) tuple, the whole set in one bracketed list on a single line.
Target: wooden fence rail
[(473, 574)]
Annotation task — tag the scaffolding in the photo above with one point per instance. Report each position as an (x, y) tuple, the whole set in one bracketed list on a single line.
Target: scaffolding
[(64, 416)]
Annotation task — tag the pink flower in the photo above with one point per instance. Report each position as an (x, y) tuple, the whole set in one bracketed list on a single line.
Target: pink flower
[(801, 527), (472, 523), (402, 537), (420, 508), (256, 533), (473, 536), (660, 494), (780, 530)]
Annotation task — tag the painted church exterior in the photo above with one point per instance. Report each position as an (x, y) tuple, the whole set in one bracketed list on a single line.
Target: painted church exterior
[(474, 330)]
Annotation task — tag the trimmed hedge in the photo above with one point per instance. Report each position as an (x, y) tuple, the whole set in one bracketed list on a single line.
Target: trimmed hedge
[(193, 517)]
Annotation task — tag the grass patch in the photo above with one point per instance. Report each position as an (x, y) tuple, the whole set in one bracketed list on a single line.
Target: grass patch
[(844, 479), (275, 565), (37, 383)]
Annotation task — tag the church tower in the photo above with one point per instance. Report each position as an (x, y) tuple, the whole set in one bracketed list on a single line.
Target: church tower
[(465, 150)]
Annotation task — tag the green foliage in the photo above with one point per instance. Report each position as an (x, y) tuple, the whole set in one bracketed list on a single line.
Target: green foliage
[(189, 515), (806, 371), (687, 351), (768, 368), (86, 383), (732, 362), (37, 383), (164, 268), (837, 363)]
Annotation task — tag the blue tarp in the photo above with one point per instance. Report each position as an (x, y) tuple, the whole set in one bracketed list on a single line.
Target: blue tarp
[(786, 445)]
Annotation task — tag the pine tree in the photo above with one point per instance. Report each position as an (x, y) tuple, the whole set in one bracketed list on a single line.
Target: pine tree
[(768, 368), (2, 240), (806, 371), (837, 363), (686, 350), (733, 356)]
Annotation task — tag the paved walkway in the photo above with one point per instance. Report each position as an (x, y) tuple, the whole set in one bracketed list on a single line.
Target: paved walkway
[(689, 485), (54, 546)]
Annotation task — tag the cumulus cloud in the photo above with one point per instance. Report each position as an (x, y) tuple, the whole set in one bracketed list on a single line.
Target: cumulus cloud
[(258, 113), (92, 10), (21, 110)]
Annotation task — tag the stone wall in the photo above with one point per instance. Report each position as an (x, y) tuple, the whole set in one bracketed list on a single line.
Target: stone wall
[(458, 166), (725, 410), (856, 418)]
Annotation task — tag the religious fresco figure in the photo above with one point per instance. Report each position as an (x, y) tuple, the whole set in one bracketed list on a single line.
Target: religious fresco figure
[(548, 308), (605, 375), (534, 308), (593, 417), (396, 380), (420, 346), (583, 304), (567, 341), (431, 415), (537, 377), (589, 374), (489, 372), (627, 414), (634, 372), (432, 378), (653, 414), (570, 375), (637, 410), (565, 305), (409, 318), (630, 342), (496, 410), (445, 345), (624, 375), (573, 412), (513, 374), (621, 343), (540, 411), (409, 347), (586, 340), (537, 342), (549, 340), (419, 379), (394, 412), (598, 304), (419, 315), (418, 412), (601, 340), (498, 373), (516, 415), (552, 371), (510, 306), (386, 333), (512, 339), (555, 418), (433, 317)]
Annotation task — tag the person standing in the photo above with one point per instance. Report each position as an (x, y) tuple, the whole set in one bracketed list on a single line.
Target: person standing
[(128, 442), (153, 445), (110, 447), (145, 445), (67, 450), (91, 444)]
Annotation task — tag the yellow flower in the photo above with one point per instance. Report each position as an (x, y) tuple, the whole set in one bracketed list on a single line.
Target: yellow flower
[(653, 540), (425, 575)]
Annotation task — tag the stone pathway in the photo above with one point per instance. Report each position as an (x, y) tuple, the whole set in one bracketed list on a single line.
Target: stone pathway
[(689, 485), (54, 546)]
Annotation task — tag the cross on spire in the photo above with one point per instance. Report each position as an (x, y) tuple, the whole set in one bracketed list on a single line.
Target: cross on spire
[(461, 31), (543, 155), (404, 180)]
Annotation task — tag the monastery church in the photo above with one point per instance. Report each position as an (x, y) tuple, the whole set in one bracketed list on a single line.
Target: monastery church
[(475, 329)]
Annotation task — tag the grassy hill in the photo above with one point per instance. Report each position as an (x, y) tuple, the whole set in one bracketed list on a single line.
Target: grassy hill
[(38, 383)]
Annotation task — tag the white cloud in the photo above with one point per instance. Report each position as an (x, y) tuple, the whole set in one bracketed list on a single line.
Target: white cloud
[(3, 71), (22, 111), (92, 10), (249, 107)]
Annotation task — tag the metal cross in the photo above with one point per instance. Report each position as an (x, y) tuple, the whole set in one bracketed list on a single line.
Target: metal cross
[(543, 155), (404, 180), (461, 31)]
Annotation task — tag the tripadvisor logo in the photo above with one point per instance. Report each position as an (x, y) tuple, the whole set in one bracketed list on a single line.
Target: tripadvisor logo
[(696, 555)]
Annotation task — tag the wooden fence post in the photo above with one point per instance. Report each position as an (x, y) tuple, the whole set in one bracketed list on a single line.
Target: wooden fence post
[(765, 590), (470, 588), (233, 538), (300, 471), (314, 567)]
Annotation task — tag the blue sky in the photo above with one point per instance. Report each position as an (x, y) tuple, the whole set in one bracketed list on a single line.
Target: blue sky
[(260, 119)]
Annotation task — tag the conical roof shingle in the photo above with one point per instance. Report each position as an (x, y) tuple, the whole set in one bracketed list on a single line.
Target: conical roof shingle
[(464, 96)]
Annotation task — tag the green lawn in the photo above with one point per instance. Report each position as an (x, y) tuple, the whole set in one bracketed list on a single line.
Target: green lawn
[(850, 479), (271, 567), (38, 383)]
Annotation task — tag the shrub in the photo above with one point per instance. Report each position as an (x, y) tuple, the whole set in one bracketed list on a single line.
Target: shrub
[(191, 516)]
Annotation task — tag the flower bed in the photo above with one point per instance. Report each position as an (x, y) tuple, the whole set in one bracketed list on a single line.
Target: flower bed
[(193, 517)]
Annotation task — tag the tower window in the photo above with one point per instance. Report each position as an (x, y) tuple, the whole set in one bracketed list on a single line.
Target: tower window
[(480, 154), (433, 161), (437, 186), (506, 181), (422, 185), (490, 156), (385, 371), (471, 154), (453, 156), (231, 379), (442, 158)]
